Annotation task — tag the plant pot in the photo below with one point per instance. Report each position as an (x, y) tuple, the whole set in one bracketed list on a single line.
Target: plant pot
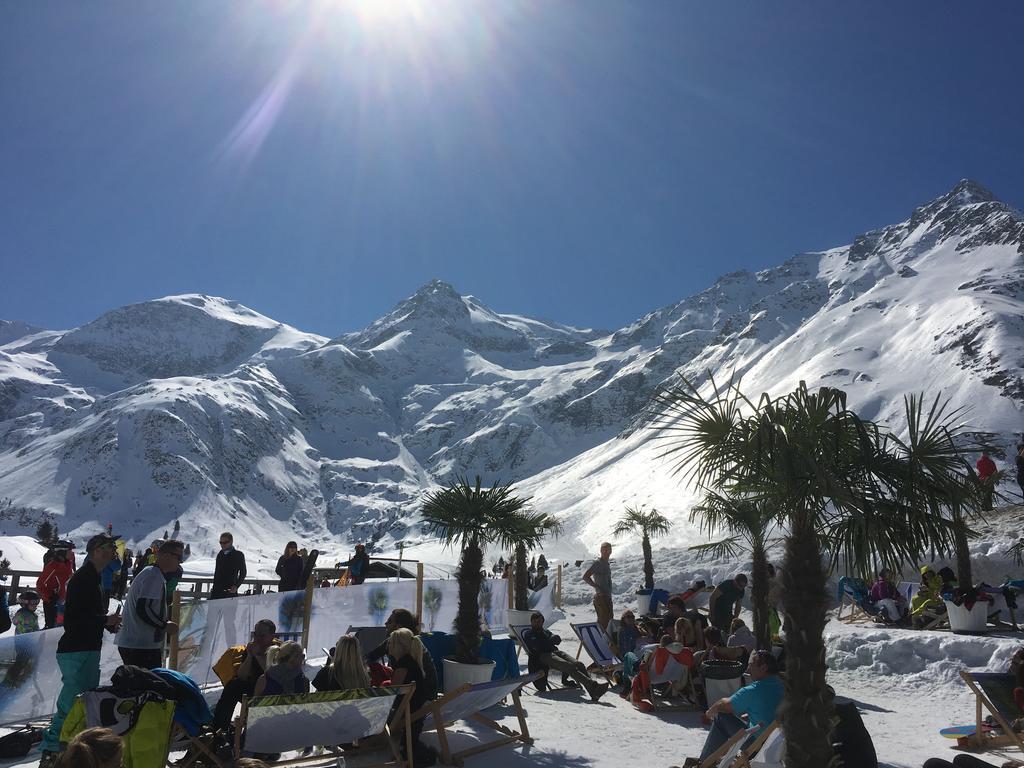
[(972, 622), (457, 673), (643, 602), (518, 618)]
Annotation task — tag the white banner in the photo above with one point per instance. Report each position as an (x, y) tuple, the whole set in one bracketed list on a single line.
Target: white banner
[(30, 678)]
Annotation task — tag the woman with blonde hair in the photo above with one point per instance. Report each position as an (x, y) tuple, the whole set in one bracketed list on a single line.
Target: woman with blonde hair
[(406, 653), (346, 670), (93, 748), (284, 673)]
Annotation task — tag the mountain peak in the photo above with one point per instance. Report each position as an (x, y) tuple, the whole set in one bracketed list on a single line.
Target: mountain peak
[(968, 192)]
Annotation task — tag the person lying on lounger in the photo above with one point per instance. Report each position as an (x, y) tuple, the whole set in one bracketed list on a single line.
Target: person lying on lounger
[(543, 646)]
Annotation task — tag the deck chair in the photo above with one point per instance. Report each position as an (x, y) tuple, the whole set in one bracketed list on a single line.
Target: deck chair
[(934, 618), (275, 724), (466, 703), (595, 641), (853, 594), (667, 665), (543, 683), (993, 691), (732, 754), (368, 637), (771, 752)]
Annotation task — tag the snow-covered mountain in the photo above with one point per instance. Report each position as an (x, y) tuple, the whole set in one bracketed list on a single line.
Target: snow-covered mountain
[(199, 409)]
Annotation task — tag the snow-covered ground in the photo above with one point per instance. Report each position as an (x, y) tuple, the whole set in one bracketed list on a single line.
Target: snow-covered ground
[(905, 683)]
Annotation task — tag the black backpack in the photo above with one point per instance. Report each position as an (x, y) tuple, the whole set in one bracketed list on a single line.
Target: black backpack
[(851, 739), (20, 742), (129, 679)]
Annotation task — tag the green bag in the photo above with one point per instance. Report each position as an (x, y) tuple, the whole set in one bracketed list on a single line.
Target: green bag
[(143, 721)]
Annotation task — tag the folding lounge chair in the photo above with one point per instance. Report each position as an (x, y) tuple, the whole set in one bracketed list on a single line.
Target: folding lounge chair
[(275, 724), (667, 666), (543, 683), (466, 703), (993, 691), (732, 754), (853, 594), (595, 641)]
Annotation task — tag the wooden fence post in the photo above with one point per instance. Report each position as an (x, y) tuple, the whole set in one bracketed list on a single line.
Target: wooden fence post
[(307, 611), (419, 592), (172, 662), (558, 588)]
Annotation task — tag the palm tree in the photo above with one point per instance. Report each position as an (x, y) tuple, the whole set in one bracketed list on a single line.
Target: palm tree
[(837, 484), (650, 524), (750, 523), (545, 525), (471, 517), (935, 448)]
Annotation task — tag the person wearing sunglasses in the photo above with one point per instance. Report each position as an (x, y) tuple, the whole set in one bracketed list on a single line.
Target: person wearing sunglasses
[(229, 570), (146, 613), (758, 701)]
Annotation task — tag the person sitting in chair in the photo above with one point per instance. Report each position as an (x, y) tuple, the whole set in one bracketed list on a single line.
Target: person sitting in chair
[(249, 664), (542, 647), (889, 600), (758, 701)]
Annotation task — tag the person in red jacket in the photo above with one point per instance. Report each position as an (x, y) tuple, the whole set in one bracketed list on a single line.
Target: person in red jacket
[(986, 470), (52, 585)]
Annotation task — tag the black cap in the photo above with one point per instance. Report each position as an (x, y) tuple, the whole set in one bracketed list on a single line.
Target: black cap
[(100, 540)]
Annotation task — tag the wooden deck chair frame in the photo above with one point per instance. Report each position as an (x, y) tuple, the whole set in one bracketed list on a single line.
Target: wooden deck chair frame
[(980, 740), (194, 746), (935, 620), (743, 757), (440, 726), (400, 719), (856, 613), (608, 670)]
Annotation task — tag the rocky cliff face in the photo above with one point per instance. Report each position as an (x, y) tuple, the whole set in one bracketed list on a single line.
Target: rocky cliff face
[(199, 409)]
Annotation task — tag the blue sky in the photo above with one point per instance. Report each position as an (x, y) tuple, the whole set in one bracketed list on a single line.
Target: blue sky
[(582, 161)]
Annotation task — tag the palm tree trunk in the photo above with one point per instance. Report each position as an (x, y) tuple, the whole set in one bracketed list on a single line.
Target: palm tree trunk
[(648, 563), (522, 601), (759, 595), (964, 576), (467, 620), (807, 707)]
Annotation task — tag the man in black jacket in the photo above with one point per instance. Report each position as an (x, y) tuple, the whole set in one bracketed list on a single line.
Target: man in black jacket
[(78, 650), (542, 646), (229, 572)]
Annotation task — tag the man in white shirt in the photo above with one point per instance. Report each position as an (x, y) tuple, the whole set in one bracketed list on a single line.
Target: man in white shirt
[(146, 614)]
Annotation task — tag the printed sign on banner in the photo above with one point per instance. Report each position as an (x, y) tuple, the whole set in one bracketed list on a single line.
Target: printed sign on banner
[(29, 676)]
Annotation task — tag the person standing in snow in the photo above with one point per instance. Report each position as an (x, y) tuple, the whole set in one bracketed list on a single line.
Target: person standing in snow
[(289, 568), (78, 650), (52, 585), (986, 472), (724, 603), (146, 614), (599, 576), (229, 571)]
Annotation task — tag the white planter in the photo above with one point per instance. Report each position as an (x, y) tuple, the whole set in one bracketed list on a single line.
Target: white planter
[(455, 674), (972, 622), (520, 618)]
